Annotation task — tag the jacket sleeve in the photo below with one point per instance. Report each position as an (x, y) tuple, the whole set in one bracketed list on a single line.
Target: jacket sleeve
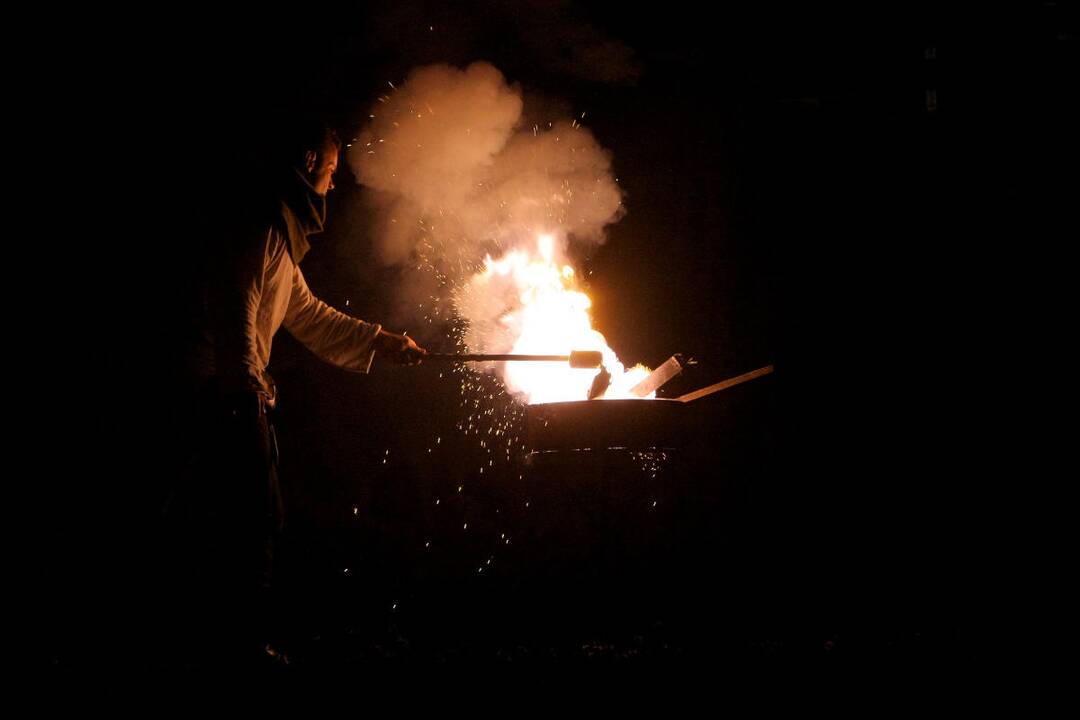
[(235, 294), (334, 336)]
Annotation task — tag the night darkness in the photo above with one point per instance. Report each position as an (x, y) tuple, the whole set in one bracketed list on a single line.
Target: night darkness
[(804, 188)]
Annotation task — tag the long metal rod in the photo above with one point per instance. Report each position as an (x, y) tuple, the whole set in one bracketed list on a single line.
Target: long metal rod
[(738, 380), (487, 358), (578, 359)]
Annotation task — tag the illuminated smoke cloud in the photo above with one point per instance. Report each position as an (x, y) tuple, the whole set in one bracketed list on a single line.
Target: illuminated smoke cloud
[(452, 170)]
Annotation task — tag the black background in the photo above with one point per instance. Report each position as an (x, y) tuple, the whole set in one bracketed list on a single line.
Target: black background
[(791, 199)]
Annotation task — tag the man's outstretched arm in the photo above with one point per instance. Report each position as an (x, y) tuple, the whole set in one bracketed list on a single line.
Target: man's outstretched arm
[(338, 338)]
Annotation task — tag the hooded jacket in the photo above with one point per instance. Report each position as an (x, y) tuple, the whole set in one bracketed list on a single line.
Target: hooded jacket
[(259, 287)]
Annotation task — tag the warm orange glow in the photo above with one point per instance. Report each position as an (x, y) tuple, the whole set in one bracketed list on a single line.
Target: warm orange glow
[(550, 316)]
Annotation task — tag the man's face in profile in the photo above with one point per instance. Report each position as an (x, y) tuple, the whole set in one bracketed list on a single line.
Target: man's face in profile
[(321, 167)]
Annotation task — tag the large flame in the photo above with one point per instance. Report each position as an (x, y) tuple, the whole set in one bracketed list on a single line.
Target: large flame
[(542, 312)]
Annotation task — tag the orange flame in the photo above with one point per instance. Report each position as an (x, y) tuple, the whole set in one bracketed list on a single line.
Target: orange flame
[(544, 313)]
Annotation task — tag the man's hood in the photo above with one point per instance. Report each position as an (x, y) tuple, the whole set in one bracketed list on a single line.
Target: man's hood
[(308, 208)]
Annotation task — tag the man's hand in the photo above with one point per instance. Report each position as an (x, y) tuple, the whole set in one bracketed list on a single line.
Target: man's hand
[(399, 348)]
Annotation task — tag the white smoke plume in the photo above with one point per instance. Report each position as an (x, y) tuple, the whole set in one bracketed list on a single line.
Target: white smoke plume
[(452, 168)]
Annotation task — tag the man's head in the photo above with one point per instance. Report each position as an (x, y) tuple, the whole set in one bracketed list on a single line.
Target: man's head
[(321, 161), (312, 147)]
